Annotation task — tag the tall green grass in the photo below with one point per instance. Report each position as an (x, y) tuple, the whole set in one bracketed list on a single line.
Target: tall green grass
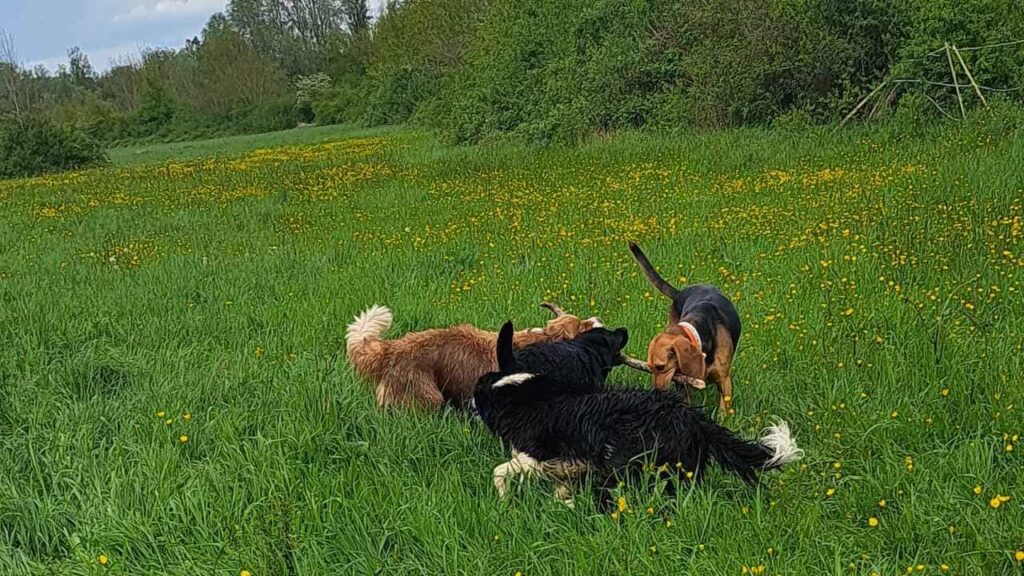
[(878, 278)]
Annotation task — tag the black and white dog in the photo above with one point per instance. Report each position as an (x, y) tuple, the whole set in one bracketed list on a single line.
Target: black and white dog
[(563, 427)]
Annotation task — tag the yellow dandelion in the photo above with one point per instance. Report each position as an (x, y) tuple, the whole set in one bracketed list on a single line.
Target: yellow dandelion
[(245, 573), (1019, 555), (995, 503), (187, 416), (169, 421), (873, 522), (183, 438), (103, 560), (944, 567), (894, 414), (650, 510), (161, 414), (882, 503), (622, 503), (977, 490), (830, 492), (945, 392)]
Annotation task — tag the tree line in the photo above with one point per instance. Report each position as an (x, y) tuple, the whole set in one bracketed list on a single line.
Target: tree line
[(537, 70)]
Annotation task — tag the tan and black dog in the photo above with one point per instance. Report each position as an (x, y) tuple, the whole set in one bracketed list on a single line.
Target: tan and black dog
[(701, 336)]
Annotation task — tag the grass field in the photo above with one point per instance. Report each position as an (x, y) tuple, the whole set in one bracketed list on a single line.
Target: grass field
[(174, 400)]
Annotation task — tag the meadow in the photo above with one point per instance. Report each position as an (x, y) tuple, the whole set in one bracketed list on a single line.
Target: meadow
[(174, 398)]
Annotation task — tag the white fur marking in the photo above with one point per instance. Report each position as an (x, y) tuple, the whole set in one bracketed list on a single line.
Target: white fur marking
[(370, 324), (780, 441), (595, 322), (514, 379), (520, 464), (692, 330), (536, 330)]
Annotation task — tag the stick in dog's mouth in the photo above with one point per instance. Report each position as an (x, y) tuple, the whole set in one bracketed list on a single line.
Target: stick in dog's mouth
[(554, 309), (677, 378)]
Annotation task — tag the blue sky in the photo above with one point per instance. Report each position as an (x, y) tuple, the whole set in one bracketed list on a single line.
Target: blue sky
[(43, 30)]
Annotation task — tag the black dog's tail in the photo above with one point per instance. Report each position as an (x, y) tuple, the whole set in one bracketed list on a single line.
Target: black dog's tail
[(651, 273), (775, 449)]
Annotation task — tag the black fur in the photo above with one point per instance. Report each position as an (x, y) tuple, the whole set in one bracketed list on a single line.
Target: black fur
[(703, 305), (578, 366), (613, 431)]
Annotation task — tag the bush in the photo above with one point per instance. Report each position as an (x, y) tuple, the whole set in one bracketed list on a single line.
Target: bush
[(558, 70), (36, 145)]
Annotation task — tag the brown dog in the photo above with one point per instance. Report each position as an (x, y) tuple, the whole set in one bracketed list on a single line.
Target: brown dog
[(429, 368), (700, 339)]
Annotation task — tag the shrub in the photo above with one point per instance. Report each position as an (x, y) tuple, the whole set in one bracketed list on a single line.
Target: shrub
[(36, 145)]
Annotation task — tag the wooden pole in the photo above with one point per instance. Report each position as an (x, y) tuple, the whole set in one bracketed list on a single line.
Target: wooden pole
[(977, 89), (861, 104), (956, 82)]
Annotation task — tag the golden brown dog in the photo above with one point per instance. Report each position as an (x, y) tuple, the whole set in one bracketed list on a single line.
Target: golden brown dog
[(429, 368), (701, 336)]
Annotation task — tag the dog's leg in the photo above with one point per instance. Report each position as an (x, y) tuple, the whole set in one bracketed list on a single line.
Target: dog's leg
[(564, 472), (725, 394), (563, 494), (520, 464), (409, 389), (721, 370)]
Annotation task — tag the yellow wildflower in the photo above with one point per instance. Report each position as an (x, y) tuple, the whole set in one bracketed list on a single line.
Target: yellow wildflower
[(873, 522)]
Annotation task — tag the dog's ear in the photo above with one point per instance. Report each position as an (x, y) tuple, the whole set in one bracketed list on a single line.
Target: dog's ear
[(623, 335), (690, 362), (506, 359), (690, 331)]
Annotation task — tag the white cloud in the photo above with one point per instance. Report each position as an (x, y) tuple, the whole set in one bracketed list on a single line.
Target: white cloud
[(167, 9)]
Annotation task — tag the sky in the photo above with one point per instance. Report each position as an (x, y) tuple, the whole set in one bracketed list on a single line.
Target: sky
[(44, 30)]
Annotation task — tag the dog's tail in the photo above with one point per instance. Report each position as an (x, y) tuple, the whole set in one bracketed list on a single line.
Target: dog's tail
[(364, 346), (744, 458), (651, 273)]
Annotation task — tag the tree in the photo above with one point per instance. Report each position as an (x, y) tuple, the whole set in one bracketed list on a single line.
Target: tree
[(80, 68), (357, 16), (11, 78)]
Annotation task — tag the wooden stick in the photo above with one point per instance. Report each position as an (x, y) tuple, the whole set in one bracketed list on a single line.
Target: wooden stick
[(860, 105), (956, 81), (970, 76), (678, 378)]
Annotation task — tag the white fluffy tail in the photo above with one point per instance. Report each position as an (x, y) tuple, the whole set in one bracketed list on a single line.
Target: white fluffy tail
[(779, 441), (370, 324)]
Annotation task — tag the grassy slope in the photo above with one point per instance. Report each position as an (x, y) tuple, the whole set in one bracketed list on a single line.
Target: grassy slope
[(879, 283)]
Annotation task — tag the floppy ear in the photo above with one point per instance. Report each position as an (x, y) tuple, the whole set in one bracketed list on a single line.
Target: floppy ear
[(680, 350), (690, 331), (623, 335), (505, 357)]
